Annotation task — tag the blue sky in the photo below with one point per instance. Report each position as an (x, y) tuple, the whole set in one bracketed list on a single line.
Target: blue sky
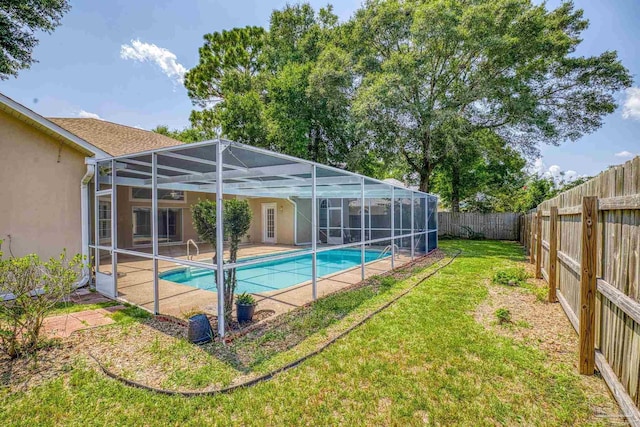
[(83, 70)]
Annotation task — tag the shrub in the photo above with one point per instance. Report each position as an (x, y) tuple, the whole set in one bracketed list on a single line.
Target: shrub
[(503, 315), (37, 287), (516, 276)]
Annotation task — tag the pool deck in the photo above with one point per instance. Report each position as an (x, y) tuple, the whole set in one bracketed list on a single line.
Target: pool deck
[(135, 283)]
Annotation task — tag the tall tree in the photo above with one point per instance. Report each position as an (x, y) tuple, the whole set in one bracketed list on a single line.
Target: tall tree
[(287, 89), (226, 85), (307, 95), (19, 20), (504, 65), (478, 172)]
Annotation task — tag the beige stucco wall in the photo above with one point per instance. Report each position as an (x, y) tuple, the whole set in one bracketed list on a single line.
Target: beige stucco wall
[(39, 191), (125, 214), (284, 220)]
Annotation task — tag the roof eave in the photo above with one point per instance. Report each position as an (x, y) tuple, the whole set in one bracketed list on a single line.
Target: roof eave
[(31, 117)]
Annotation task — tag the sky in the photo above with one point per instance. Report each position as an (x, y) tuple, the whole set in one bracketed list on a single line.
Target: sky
[(123, 61)]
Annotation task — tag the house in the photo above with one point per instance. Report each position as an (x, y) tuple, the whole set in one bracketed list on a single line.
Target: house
[(87, 185)]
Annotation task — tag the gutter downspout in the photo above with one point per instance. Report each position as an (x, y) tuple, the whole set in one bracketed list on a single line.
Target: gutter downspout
[(84, 209)]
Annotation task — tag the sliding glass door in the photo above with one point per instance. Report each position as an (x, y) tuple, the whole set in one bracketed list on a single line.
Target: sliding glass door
[(169, 225)]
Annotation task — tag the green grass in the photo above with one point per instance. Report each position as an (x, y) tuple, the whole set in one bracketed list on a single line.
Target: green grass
[(71, 307), (424, 360), (130, 314), (254, 351)]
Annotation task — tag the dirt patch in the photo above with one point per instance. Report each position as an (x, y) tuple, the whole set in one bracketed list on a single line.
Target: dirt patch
[(545, 326)]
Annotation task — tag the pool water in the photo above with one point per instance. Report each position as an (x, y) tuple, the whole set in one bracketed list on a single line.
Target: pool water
[(277, 274)]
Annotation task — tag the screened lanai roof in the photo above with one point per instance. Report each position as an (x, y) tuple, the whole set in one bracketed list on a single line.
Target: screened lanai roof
[(246, 171)]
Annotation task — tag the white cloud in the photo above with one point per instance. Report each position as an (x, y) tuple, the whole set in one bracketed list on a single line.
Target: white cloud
[(570, 175), (87, 115), (631, 106), (555, 172), (539, 166), (163, 58), (624, 153)]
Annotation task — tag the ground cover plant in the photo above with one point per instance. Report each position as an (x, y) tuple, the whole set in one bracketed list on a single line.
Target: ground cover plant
[(512, 276), (425, 360)]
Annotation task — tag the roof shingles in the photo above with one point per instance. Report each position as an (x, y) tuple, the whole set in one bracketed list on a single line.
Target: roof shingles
[(113, 138)]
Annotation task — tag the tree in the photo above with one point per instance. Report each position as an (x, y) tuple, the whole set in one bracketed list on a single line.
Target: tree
[(189, 134), (225, 84), (237, 220), (477, 170), (566, 186), (503, 65), (307, 95), (19, 20), (536, 190), (287, 89)]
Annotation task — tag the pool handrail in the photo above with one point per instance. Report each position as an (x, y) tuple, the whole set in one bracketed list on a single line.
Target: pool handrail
[(189, 256)]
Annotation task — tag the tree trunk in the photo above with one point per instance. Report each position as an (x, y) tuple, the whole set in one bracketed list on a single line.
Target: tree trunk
[(424, 182), (312, 145), (455, 188)]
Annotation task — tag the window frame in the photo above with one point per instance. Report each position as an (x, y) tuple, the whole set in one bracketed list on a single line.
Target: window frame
[(149, 208), (173, 201)]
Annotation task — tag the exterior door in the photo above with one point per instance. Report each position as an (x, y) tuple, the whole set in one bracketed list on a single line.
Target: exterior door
[(269, 223), (335, 224), (105, 259)]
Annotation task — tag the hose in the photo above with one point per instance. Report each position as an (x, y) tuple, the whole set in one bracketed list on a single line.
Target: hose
[(290, 365)]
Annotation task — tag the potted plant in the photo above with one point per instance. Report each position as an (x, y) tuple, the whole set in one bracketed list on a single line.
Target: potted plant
[(245, 306)]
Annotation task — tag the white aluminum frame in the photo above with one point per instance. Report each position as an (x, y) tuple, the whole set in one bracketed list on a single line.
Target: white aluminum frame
[(285, 180)]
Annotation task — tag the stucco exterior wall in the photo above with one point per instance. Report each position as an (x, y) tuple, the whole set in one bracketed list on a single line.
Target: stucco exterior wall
[(125, 214), (284, 220), (39, 191)]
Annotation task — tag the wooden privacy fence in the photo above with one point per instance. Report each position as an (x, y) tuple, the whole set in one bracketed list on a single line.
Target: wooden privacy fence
[(495, 226), (586, 244)]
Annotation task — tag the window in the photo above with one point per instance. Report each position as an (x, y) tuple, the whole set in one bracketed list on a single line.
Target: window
[(169, 225), (139, 193)]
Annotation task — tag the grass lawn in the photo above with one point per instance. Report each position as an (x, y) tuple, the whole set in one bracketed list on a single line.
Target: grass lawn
[(70, 307), (425, 360)]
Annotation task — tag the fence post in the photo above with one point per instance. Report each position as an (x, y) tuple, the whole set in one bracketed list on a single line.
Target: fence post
[(539, 244), (532, 239), (588, 262), (553, 252)]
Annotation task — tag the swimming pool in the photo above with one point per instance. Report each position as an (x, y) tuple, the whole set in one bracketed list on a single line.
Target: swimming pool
[(277, 274)]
